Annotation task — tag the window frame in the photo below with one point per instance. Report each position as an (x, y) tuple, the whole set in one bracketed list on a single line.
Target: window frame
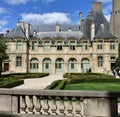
[(19, 45), (100, 61), (85, 45), (34, 45), (99, 45), (59, 45), (18, 61)]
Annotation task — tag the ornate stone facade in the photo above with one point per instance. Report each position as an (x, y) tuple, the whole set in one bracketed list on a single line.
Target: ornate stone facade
[(88, 46)]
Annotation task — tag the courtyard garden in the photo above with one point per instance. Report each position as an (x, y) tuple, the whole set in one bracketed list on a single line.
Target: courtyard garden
[(12, 80), (89, 81)]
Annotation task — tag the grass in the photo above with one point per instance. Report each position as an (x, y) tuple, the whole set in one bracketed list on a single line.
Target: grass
[(101, 86)]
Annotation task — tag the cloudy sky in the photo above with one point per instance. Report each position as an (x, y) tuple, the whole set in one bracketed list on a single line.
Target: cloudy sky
[(46, 11)]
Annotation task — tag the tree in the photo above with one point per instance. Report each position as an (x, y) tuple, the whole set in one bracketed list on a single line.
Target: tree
[(3, 54)]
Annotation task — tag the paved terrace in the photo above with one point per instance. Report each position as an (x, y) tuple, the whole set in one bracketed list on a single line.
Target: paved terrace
[(39, 83)]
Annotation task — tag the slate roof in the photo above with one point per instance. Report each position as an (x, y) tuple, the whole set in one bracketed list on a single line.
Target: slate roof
[(98, 18), (103, 32), (77, 31), (52, 27), (17, 32)]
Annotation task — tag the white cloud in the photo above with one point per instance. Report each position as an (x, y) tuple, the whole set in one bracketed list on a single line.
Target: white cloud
[(3, 23), (47, 1), (16, 2), (107, 9), (46, 18), (2, 10), (108, 17)]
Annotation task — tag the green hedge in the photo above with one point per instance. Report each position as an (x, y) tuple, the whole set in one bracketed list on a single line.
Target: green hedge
[(53, 84), (81, 80), (11, 83), (61, 85), (26, 75), (87, 75)]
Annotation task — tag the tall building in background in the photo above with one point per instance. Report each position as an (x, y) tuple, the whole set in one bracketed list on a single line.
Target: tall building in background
[(115, 18)]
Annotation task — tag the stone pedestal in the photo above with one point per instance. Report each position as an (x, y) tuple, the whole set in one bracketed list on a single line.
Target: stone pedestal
[(100, 107)]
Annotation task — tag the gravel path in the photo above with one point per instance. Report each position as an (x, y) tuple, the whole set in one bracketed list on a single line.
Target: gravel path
[(39, 83)]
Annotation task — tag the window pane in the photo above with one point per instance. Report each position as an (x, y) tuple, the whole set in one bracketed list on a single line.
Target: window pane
[(100, 61), (18, 61), (19, 45)]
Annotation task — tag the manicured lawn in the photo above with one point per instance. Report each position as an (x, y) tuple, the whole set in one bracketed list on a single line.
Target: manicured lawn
[(107, 86)]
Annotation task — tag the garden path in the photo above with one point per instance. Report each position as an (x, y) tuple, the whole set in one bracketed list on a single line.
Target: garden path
[(39, 83)]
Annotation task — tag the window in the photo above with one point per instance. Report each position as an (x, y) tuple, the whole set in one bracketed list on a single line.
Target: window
[(8, 46), (34, 64), (100, 61), (47, 45), (59, 63), (72, 45), (112, 45), (59, 45), (112, 59), (19, 45), (99, 45), (34, 45), (18, 61), (85, 45)]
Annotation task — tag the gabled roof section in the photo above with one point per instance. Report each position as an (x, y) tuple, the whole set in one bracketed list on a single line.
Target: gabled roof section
[(17, 32), (96, 17), (103, 32), (52, 27)]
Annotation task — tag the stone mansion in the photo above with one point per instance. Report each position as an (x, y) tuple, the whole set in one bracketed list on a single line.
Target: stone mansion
[(60, 48)]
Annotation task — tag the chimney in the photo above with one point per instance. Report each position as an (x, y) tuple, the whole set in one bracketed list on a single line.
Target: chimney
[(27, 30), (57, 27), (92, 31), (34, 33), (81, 19), (97, 6), (21, 23)]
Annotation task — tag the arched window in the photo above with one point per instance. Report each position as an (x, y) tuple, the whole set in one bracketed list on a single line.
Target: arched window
[(47, 65), (34, 65), (72, 63), (85, 65), (59, 65)]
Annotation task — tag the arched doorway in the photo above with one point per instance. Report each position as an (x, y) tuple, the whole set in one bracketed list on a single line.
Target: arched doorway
[(85, 65), (72, 65), (47, 65), (34, 66), (59, 65)]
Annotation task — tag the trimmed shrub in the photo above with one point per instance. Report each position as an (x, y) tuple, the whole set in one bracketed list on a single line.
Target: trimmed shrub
[(61, 85), (27, 75), (53, 84), (11, 83)]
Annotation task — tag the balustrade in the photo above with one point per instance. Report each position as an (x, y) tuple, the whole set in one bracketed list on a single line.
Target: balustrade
[(59, 103)]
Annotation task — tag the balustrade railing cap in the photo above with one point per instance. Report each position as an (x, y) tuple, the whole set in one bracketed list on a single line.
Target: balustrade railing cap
[(68, 93)]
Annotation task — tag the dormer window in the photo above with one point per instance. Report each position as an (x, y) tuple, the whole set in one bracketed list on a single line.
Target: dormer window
[(85, 45), (99, 45), (72, 45), (59, 45), (112, 45), (47, 45), (34, 45), (19, 45)]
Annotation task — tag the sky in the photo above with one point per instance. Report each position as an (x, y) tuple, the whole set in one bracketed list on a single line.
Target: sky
[(46, 11)]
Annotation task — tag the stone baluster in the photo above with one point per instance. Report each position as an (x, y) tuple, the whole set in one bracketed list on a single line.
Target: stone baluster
[(30, 105), (37, 105), (45, 106), (78, 107), (53, 106), (61, 106), (69, 106), (23, 104)]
